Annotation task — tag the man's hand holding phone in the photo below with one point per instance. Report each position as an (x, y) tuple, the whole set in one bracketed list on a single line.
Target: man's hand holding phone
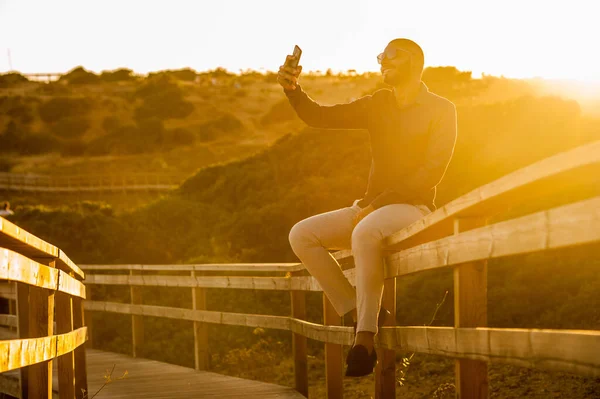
[(290, 70)]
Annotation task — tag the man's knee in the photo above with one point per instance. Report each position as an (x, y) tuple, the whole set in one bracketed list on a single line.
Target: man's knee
[(300, 237), (365, 234)]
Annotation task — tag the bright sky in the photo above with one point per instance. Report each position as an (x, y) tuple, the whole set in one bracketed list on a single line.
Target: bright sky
[(514, 38)]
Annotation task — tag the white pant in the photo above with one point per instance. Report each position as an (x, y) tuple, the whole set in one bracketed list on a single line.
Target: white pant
[(311, 239)]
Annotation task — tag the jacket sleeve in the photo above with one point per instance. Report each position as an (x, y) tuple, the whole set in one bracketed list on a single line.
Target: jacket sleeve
[(352, 115), (436, 160)]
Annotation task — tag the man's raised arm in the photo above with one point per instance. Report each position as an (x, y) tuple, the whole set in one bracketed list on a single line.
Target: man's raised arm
[(352, 115)]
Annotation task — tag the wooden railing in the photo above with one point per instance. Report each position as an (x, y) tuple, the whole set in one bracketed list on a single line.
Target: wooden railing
[(458, 235), (47, 289), (77, 183)]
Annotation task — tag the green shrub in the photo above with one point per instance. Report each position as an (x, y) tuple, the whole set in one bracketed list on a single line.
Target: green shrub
[(64, 107), (79, 75), (12, 79), (70, 128), (282, 111), (184, 74), (73, 148), (22, 141), (162, 98), (226, 124), (181, 137), (118, 75), (111, 123)]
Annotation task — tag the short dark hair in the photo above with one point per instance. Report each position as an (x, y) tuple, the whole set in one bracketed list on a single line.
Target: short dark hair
[(6, 205), (412, 47)]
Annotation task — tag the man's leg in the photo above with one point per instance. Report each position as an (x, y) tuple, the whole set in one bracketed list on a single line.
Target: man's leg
[(310, 239), (367, 241)]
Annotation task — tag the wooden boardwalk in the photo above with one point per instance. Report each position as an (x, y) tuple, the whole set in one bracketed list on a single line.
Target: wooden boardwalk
[(153, 379)]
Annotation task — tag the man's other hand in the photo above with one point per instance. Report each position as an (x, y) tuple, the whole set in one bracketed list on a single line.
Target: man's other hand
[(288, 76), (360, 215)]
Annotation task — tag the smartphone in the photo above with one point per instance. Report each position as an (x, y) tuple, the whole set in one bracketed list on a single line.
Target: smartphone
[(297, 53)]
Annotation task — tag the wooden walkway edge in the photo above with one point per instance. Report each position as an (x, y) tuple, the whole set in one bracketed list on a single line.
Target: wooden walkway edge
[(153, 379)]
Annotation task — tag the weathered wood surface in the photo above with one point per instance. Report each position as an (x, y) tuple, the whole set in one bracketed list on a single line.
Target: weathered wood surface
[(18, 353), (577, 167), (567, 225), (14, 238), (565, 350), (18, 268), (152, 379), (216, 267)]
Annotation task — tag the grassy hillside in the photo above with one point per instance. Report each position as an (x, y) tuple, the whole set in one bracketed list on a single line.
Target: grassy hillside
[(242, 210)]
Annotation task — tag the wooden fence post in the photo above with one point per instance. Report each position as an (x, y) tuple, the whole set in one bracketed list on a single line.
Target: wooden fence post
[(66, 362), (88, 318), (41, 324), (385, 372), (470, 310), (299, 342), (334, 354), (137, 322), (81, 385), (23, 331), (201, 354)]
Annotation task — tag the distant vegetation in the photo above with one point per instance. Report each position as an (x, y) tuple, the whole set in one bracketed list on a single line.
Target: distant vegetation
[(242, 211)]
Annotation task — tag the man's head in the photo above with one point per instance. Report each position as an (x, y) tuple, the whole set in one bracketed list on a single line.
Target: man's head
[(6, 206), (401, 62)]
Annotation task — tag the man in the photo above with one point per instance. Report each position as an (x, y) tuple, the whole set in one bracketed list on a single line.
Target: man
[(412, 134), (5, 210)]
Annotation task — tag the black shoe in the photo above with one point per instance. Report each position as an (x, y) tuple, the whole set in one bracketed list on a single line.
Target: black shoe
[(383, 315), (360, 362)]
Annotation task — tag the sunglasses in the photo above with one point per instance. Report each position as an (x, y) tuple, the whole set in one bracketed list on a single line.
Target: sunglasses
[(392, 53)]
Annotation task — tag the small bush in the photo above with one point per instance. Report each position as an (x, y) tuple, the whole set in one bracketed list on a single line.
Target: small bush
[(12, 79), (210, 130), (73, 148), (118, 75), (185, 74), (21, 141), (79, 75), (72, 127), (63, 107), (181, 137), (111, 124), (162, 98), (282, 111)]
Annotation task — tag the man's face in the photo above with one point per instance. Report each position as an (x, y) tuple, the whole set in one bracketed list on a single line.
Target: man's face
[(395, 65)]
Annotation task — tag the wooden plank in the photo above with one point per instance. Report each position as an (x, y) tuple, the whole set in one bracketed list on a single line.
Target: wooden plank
[(577, 167), (66, 362), (81, 383), (18, 240), (201, 352), (470, 310), (217, 267), (255, 283), (32, 351), (41, 324), (334, 355), (564, 226), (443, 341), (571, 351), (15, 267), (299, 342), (23, 332), (385, 371), (137, 321), (8, 290), (8, 320)]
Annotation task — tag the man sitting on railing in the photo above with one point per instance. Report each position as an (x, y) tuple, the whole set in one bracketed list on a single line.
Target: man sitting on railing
[(412, 133), (6, 211)]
